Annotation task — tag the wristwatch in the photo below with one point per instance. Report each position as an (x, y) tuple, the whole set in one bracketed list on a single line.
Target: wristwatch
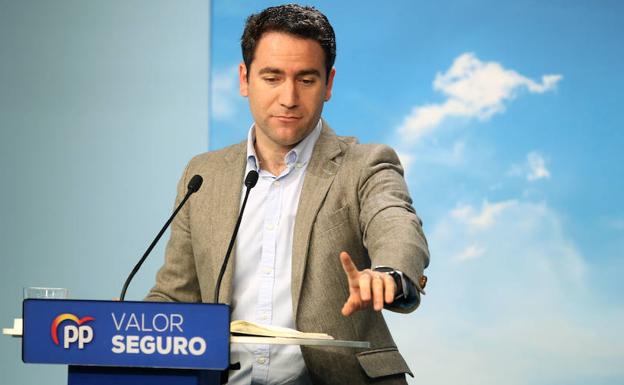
[(401, 284)]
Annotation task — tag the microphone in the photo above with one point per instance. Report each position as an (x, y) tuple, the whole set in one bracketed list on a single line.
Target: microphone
[(194, 184), (250, 181), (192, 187)]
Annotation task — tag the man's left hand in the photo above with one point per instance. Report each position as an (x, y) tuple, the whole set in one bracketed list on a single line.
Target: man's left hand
[(366, 287)]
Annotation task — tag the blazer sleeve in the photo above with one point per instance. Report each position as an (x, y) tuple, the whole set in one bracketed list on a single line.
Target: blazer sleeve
[(392, 231), (177, 278)]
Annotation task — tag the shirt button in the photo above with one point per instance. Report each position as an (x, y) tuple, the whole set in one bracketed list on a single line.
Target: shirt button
[(299, 165), (260, 360), (270, 227), (267, 271), (277, 183)]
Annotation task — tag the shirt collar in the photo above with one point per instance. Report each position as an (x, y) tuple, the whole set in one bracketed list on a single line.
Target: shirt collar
[(300, 155)]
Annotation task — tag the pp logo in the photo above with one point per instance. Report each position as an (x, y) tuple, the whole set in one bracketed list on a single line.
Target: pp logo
[(78, 333)]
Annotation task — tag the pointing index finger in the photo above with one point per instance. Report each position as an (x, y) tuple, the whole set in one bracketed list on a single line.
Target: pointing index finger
[(348, 266)]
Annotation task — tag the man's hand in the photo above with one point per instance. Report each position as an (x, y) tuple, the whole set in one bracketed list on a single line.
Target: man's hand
[(366, 287)]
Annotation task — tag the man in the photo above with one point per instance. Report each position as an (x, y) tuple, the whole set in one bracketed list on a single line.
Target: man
[(329, 234)]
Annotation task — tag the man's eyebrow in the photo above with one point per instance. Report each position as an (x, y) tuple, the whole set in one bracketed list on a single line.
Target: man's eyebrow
[(312, 71), (270, 70), (277, 71)]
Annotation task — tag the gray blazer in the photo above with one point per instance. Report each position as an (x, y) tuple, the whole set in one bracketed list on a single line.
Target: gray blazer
[(354, 198)]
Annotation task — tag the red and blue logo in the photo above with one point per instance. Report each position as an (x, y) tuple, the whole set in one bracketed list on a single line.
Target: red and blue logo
[(73, 332)]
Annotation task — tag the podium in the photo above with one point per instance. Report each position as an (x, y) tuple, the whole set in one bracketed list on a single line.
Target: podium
[(113, 342)]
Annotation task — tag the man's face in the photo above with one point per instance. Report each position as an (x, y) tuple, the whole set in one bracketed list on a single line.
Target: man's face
[(287, 87)]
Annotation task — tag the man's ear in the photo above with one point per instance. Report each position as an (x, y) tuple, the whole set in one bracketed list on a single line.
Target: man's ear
[(243, 84), (330, 84)]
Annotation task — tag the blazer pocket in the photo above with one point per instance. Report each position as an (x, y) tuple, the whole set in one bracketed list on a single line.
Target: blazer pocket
[(331, 221), (383, 362)]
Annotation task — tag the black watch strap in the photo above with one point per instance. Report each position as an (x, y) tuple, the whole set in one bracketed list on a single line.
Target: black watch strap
[(398, 280)]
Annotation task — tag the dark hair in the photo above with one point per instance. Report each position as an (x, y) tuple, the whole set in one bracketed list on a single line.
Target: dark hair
[(301, 21)]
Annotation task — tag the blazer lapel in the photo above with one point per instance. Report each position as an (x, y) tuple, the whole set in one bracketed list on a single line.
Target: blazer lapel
[(319, 177), (229, 184)]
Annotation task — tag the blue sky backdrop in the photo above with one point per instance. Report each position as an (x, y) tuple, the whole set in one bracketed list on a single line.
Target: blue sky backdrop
[(506, 118)]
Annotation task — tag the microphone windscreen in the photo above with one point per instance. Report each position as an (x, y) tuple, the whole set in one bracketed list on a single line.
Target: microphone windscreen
[(195, 183), (251, 179)]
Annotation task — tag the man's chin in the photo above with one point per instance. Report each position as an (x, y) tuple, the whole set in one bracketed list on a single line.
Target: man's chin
[(290, 135), (287, 135)]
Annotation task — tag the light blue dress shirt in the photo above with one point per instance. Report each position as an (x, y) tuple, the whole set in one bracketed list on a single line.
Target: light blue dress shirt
[(262, 267), (261, 288)]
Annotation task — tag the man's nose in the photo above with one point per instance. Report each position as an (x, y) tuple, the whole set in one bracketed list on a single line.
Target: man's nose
[(289, 97)]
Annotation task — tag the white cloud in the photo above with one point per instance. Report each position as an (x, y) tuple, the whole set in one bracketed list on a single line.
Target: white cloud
[(537, 167), (514, 231), (485, 218), (518, 313), (225, 94), (534, 168), (470, 252), (473, 89)]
